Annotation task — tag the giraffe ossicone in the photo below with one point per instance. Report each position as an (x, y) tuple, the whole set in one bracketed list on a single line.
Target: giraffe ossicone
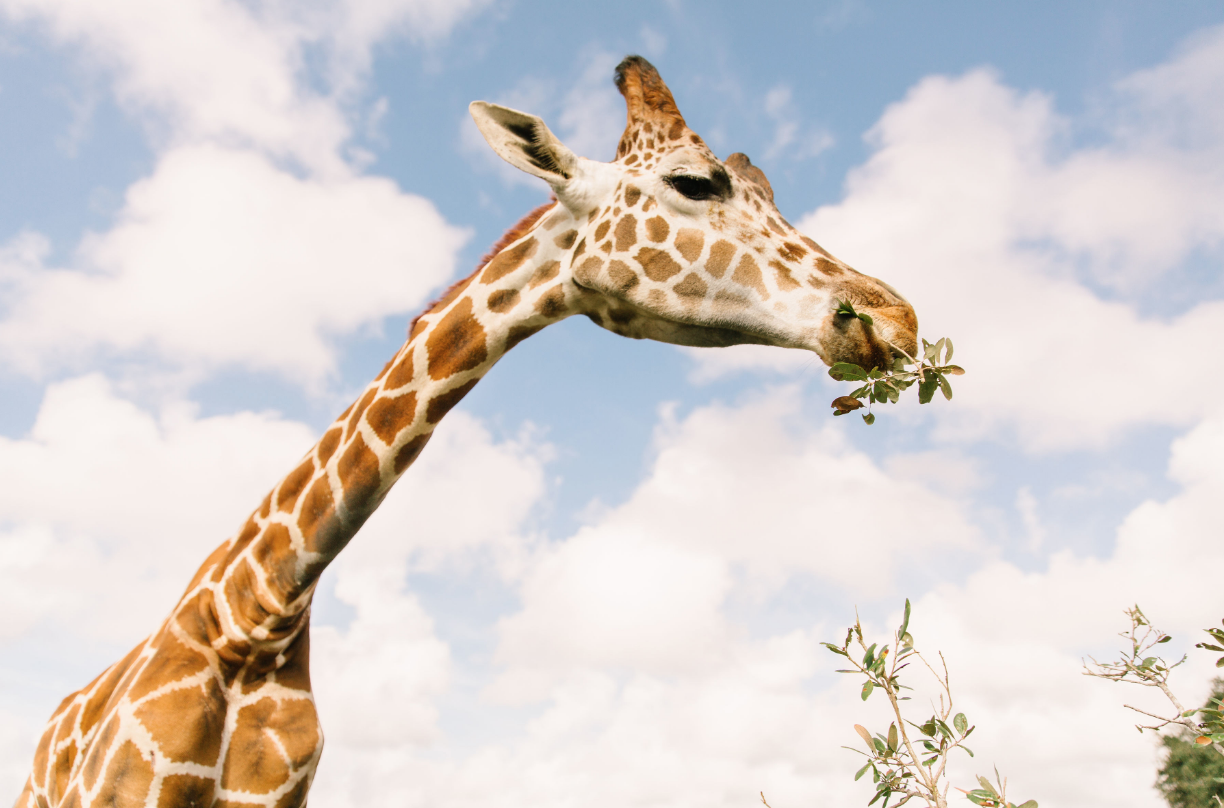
[(666, 242)]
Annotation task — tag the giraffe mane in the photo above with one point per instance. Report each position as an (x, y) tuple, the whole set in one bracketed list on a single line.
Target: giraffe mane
[(509, 237)]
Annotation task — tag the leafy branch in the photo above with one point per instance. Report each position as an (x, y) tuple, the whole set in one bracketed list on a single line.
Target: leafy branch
[(1140, 666), (885, 386), (901, 765)]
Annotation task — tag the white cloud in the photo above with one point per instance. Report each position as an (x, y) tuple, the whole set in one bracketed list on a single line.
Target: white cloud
[(789, 138), (966, 209), (753, 490), (1014, 641), (220, 259), (222, 70), (111, 508)]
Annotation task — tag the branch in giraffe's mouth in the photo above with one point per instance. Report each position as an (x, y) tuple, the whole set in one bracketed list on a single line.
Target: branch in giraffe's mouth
[(930, 373)]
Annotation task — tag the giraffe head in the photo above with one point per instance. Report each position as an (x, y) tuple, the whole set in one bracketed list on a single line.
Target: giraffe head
[(670, 243)]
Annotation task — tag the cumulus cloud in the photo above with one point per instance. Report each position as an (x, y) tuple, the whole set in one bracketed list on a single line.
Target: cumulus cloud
[(110, 508), (751, 491), (624, 720), (166, 62), (1038, 259), (221, 259)]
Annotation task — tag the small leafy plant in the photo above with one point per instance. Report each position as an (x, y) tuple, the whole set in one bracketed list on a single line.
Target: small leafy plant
[(902, 766), (1140, 666), (884, 386)]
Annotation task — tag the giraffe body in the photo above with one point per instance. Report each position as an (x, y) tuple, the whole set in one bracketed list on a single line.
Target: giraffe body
[(666, 243)]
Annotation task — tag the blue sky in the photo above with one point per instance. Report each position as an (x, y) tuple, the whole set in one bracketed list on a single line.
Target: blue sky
[(217, 218)]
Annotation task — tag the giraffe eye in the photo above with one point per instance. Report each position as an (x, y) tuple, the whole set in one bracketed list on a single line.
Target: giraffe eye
[(695, 188)]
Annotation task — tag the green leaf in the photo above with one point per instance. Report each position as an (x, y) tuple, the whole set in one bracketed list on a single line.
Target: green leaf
[(867, 688), (1029, 804), (1220, 662), (986, 785), (945, 387), (862, 771), (834, 648), (892, 737), (1166, 638), (961, 723), (953, 370), (904, 620), (847, 371), (869, 418), (948, 352), (967, 749), (866, 319), (927, 388), (869, 657)]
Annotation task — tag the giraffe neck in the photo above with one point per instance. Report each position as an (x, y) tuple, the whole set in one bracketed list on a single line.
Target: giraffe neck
[(264, 578)]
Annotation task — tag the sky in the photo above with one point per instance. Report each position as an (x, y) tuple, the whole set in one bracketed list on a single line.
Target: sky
[(607, 578)]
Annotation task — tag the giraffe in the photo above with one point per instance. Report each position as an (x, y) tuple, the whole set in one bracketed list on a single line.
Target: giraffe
[(666, 243)]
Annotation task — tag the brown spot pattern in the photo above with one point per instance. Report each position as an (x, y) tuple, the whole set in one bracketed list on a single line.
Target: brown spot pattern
[(689, 242), (128, 778), (657, 229), (172, 662), (566, 239), (315, 518), (747, 273), (289, 489), (552, 303), (327, 446), (519, 333), (457, 344), (626, 233), (786, 281), (623, 278), (547, 271), (721, 253), (364, 402), (271, 552), (691, 286), (403, 372), (388, 416), (588, 270), (813, 245), (658, 265), (358, 469), (409, 451), (185, 791), (632, 194), (602, 230), (186, 724), (509, 260), (503, 300), (442, 404), (253, 762), (791, 251)]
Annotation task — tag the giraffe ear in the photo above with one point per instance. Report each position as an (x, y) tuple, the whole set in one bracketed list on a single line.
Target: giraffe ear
[(524, 142)]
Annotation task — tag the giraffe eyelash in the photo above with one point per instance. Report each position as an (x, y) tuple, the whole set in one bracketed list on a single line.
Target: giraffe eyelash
[(698, 188)]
